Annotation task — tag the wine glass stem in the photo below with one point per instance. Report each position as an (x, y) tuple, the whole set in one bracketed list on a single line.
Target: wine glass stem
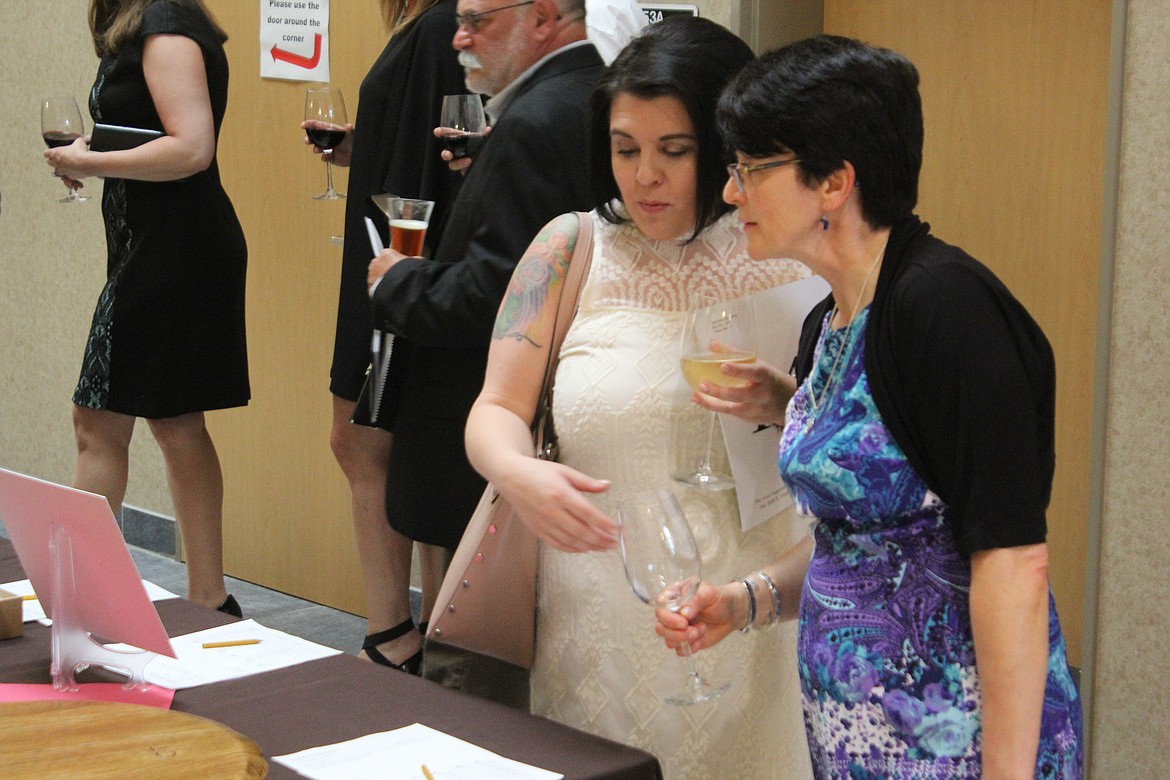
[(328, 176), (705, 460), (693, 678)]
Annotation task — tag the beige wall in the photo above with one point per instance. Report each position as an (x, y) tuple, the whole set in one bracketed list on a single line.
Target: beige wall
[(52, 255), (1131, 727), (51, 269)]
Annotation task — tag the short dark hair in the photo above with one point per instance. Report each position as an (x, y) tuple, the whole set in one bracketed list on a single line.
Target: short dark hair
[(684, 57), (830, 99)]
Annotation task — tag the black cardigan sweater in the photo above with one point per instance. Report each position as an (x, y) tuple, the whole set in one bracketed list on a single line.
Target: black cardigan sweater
[(965, 381)]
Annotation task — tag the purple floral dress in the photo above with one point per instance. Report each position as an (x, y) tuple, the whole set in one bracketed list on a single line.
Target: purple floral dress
[(886, 654)]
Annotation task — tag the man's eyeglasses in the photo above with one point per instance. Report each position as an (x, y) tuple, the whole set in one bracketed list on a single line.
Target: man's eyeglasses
[(739, 171), (473, 19)]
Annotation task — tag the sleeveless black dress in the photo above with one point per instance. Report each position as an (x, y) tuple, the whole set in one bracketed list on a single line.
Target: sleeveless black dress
[(168, 334)]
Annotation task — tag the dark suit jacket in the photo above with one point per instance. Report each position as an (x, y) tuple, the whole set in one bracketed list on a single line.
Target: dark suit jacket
[(531, 169)]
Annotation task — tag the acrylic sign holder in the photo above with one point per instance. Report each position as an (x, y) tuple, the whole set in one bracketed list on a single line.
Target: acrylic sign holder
[(73, 553), (74, 648)]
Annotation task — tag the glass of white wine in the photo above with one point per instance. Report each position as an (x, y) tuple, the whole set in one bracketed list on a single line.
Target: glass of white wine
[(664, 568), (715, 332)]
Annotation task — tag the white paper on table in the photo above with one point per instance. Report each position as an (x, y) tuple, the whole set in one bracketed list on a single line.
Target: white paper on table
[(751, 449), (197, 665), (33, 611), (400, 755)]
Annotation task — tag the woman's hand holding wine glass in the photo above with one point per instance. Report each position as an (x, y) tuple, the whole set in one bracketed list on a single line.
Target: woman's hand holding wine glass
[(715, 332), (328, 129), (663, 567), (62, 125)]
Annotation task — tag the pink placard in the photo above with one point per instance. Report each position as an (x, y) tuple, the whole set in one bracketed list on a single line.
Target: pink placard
[(111, 600), (153, 696)]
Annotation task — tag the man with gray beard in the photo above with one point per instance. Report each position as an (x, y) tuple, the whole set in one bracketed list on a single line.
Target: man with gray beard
[(535, 62)]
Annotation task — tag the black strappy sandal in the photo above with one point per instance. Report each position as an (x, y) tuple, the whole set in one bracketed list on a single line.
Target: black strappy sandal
[(412, 665), (230, 607)]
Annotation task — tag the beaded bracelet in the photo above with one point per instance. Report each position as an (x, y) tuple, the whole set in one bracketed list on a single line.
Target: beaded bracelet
[(774, 616), (750, 587)]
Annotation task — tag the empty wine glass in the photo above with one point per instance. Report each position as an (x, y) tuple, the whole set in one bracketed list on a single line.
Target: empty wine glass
[(462, 119), (663, 567), (325, 125), (715, 332), (61, 125)]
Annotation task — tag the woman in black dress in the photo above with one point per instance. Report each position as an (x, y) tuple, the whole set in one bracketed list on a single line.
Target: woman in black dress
[(167, 341), (391, 148)]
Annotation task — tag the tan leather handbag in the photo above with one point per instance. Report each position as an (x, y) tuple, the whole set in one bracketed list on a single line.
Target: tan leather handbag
[(487, 604)]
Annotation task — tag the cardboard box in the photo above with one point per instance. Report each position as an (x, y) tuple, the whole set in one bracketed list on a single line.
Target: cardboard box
[(11, 615)]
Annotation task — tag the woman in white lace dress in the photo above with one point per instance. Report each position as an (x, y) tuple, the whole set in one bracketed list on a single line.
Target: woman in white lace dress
[(661, 232)]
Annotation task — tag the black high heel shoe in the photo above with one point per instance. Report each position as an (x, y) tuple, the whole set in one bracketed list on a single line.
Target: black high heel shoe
[(230, 607), (412, 665)]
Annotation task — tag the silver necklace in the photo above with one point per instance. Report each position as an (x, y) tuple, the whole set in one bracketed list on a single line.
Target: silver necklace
[(816, 400)]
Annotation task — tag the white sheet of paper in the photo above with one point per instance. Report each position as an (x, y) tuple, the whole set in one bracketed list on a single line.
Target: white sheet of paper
[(400, 755), (33, 611), (752, 450), (197, 665)]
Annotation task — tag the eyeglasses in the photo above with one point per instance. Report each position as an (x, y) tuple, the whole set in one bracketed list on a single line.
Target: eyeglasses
[(739, 171), (473, 19)]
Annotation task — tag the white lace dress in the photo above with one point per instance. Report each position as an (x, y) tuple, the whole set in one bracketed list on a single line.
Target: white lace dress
[(599, 665)]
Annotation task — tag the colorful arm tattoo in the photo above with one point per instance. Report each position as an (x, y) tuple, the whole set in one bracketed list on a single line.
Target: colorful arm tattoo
[(538, 276)]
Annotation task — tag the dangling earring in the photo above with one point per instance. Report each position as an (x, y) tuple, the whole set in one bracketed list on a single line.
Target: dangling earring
[(824, 222)]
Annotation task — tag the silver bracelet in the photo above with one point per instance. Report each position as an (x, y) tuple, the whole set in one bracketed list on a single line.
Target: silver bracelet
[(774, 616), (750, 587)]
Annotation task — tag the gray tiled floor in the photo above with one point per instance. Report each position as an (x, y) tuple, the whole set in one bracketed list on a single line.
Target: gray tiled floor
[(315, 622)]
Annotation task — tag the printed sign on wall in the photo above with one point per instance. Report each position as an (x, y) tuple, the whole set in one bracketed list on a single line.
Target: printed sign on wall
[(656, 12), (294, 40)]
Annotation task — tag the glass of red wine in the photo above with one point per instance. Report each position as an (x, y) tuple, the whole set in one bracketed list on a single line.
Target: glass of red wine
[(461, 119), (325, 125), (61, 125)]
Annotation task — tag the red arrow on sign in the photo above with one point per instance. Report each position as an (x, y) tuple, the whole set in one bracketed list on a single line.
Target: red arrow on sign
[(296, 59)]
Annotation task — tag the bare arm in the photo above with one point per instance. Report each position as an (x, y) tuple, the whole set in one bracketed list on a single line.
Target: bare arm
[(547, 496), (1009, 619), (177, 80)]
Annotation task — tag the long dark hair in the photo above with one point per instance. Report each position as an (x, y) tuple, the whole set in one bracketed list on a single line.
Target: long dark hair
[(114, 22), (684, 57)]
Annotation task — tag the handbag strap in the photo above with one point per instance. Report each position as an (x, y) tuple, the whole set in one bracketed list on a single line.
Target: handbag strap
[(579, 263)]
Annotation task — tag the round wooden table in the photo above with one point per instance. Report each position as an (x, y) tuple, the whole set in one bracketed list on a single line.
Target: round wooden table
[(89, 739)]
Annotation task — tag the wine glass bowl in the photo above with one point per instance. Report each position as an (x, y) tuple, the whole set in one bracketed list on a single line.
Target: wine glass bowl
[(325, 122), (61, 125), (664, 568), (714, 332), (462, 119)]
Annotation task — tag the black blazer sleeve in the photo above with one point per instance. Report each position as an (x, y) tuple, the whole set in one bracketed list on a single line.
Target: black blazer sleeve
[(530, 169)]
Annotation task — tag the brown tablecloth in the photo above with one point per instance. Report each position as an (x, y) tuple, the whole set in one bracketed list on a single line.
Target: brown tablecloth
[(342, 697)]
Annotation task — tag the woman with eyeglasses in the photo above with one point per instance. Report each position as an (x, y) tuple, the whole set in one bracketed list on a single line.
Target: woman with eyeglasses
[(391, 148), (661, 233), (920, 437)]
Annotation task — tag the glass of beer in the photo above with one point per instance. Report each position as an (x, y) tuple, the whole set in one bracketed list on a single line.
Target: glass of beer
[(408, 224)]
